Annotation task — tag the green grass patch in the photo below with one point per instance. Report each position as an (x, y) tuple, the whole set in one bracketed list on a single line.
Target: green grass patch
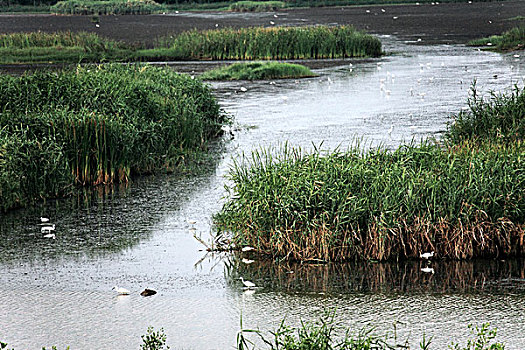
[(241, 44), (107, 7), (500, 117), (39, 47), (273, 43), (256, 6), (511, 40), (258, 71), (98, 124), (462, 200)]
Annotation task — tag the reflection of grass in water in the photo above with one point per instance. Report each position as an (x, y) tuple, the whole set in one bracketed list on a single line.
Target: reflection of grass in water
[(258, 71), (380, 277)]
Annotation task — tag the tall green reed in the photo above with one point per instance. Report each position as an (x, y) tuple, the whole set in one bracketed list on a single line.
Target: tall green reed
[(111, 121), (272, 43)]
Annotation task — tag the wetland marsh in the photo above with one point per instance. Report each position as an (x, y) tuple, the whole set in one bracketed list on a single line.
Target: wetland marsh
[(58, 292)]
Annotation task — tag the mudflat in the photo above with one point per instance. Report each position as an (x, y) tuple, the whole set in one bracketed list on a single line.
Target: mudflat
[(442, 23)]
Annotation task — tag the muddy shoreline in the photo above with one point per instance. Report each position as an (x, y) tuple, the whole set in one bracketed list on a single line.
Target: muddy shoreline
[(451, 23)]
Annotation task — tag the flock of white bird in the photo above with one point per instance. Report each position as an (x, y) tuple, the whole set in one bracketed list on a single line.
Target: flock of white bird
[(47, 228)]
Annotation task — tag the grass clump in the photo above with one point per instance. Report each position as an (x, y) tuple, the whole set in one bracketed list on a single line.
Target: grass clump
[(513, 39), (461, 200), (98, 124), (275, 43), (39, 47), (501, 118), (107, 7), (256, 6), (258, 71)]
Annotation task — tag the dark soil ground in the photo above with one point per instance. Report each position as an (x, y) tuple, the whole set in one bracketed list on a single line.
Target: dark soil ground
[(442, 23)]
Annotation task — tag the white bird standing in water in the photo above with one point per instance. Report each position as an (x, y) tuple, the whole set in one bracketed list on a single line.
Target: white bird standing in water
[(47, 229), (120, 290), (390, 130), (42, 219), (247, 284), (426, 255)]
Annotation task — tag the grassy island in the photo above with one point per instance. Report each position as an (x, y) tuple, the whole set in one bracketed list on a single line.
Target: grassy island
[(221, 44), (463, 199), (258, 71), (511, 40), (97, 125), (107, 7)]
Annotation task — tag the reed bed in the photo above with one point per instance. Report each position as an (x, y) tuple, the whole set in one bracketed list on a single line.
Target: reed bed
[(499, 117), (256, 6), (462, 200), (38, 47), (258, 71), (108, 122), (462, 203), (276, 43), (107, 7), (513, 39)]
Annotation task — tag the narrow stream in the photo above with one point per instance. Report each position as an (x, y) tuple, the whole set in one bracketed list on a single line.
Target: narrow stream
[(58, 292)]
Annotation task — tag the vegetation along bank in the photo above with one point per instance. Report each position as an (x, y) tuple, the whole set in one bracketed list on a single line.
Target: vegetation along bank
[(96, 125), (462, 199), (222, 44), (513, 39)]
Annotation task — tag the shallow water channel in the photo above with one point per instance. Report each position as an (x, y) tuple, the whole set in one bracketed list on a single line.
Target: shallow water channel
[(58, 292)]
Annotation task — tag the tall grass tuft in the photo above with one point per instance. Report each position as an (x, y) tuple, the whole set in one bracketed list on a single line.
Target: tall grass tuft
[(59, 47), (256, 6), (107, 7), (501, 117), (258, 71), (272, 43), (513, 39), (102, 124), (462, 200)]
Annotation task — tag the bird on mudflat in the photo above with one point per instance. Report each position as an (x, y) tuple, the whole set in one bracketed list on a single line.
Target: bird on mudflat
[(121, 291)]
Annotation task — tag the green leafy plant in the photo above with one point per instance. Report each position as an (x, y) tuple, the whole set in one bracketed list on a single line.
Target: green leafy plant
[(154, 340), (481, 339)]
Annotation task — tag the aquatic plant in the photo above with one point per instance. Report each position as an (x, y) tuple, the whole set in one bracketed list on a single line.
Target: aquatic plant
[(258, 71), (107, 7), (256, 6), (501, 117), (60, 47), (513, 39), (102, 124), (482, 339), (461, 202), (274, 43), (154, 340)]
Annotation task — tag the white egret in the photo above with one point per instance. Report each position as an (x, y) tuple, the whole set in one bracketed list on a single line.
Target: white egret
[(50, 235), (247, 261), (427, 270), (247, 249), (272, 23), (247, 284), (426, 255), (390, 130), (120, 290), (243, 89), (42, 219)]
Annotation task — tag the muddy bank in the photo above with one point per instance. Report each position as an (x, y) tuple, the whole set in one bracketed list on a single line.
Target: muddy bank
[(443, 23)]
